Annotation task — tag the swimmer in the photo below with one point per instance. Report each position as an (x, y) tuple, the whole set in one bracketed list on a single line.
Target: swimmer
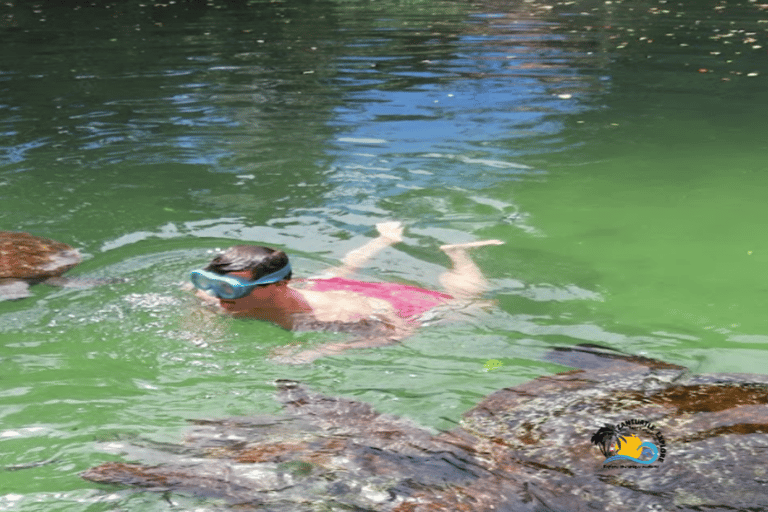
[(256, 282)]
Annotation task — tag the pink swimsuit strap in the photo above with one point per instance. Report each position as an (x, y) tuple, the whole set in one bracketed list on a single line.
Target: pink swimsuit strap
[(409, 301)]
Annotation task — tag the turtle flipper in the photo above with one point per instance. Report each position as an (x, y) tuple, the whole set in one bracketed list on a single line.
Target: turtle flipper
[(11, 289)]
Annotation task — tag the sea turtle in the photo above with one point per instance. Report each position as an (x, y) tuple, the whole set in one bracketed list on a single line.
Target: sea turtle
[(27, 259), (531, 447)]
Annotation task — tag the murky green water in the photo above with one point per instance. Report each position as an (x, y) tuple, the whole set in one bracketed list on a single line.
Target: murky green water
[(617, 147)]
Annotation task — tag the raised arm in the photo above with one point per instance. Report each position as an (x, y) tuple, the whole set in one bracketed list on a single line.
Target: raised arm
[(390, 233), (288, 355)]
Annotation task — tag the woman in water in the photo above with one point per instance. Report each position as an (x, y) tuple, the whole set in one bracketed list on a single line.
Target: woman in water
[(255, 282)]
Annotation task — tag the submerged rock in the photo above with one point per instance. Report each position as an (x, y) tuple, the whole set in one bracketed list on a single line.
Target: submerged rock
[(540, 446)]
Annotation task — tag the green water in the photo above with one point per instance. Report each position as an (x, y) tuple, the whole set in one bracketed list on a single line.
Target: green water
[(617, 148)]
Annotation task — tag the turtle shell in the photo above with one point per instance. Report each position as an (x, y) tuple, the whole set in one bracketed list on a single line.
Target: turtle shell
[(525, 448), (24, 256)]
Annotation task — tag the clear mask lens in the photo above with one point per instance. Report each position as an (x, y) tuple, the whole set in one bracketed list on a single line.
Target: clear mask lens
[(226, 291)]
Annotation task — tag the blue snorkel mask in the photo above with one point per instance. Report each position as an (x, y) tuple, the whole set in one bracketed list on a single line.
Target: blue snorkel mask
[(231, 287)]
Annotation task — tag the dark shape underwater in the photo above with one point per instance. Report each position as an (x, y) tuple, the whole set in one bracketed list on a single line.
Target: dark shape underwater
[(526, 448), (27, 259)]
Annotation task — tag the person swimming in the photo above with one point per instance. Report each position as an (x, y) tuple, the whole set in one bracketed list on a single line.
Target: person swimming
[(256, 282)]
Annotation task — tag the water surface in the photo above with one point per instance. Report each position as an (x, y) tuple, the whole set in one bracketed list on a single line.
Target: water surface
[(616, 147)]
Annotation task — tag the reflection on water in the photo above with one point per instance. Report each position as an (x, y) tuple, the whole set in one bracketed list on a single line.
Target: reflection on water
[(614, 147), (367, 105)]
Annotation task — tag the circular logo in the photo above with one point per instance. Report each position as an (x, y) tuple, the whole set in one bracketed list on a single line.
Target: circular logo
[(631, 442)]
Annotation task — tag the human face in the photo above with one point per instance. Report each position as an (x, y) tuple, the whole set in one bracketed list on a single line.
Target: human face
[(233, 285), (261, 303)]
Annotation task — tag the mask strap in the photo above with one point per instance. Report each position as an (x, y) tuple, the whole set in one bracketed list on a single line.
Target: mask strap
[(274, 276)]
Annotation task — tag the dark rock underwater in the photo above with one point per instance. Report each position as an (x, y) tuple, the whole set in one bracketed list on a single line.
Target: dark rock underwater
[(526, 448)]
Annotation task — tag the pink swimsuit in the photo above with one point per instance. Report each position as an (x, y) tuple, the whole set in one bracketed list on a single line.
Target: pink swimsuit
[(409, 301)]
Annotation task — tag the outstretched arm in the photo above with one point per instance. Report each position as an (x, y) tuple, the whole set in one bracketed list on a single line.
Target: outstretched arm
[(287, 356), (390, 233)]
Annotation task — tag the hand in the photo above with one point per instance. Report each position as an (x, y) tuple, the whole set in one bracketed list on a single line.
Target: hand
[(392, 230), (304, 357)]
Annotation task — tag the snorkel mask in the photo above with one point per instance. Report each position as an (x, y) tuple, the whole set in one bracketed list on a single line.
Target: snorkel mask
[(231, 287)]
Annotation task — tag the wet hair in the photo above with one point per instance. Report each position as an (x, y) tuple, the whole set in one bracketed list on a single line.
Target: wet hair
[(259, 260)]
